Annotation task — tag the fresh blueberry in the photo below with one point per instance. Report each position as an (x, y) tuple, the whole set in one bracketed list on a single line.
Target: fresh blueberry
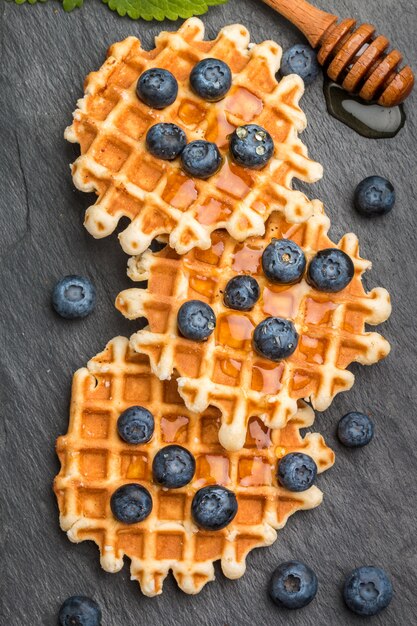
[(251, 146), (79, 611), (136, 425), (275, 338), (173, 467), (157, 88), (165, 141), (297, 471), (283, 261), (355, 430), (131, 503), (367, 590), (302, 60), (196, 320), (211, 79), (293, 585), (74, 297), (241, 293), (330, 270), (374, 196), (201, 159), (214, 507)]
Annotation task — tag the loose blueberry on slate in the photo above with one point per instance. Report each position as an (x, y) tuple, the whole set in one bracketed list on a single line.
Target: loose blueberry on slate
[(173, 467), (374, 196), (211, 79), (131, 503), (293, 585), (275, 338), (283, 261), (214, 507), (297, 471), (136, 425), (355, 430), (251, 146), (165, 141), (330, 270), (302, 60), (196, 320), (367, 590), (79, 611), (74, 297), (201, 159), (241, 293), (157, 88)]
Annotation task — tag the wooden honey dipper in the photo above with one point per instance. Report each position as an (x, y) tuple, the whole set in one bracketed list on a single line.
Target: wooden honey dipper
[(353, 57)]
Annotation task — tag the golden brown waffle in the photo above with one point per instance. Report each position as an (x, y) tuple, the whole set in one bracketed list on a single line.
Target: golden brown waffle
[(95, 462), (225, 371), (110, 125)]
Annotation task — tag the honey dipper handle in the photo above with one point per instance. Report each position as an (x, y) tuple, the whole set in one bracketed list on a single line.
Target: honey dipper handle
[(312, 22)]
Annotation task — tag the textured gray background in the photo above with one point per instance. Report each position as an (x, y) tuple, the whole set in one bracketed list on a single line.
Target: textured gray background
[(369, 512)]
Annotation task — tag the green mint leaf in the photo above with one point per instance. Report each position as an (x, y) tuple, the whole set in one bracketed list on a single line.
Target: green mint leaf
[(69, 5), (28, 1), (161, 9)]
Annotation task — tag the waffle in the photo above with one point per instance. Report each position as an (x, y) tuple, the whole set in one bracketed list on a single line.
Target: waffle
[(110, 125), (224, 371), (95, 462)]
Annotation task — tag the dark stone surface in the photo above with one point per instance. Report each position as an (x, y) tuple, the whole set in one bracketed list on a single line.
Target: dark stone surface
[(369, 512)]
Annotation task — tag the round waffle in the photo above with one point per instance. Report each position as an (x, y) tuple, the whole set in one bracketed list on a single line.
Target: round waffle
[(110, 125), (225, 371), (95, 462)]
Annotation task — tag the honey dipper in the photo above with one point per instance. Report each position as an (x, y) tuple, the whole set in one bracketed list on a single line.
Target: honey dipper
[(353, 57)]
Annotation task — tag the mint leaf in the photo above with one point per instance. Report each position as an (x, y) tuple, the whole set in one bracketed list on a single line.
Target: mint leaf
[(161, 9), (69, 5), (29, 1)]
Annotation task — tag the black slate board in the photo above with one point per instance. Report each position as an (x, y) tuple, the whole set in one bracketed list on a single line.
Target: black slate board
[(369, 512)]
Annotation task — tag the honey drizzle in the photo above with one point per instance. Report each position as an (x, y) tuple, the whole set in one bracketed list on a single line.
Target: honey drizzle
[(234, 330), (170, 428), (244, 104)]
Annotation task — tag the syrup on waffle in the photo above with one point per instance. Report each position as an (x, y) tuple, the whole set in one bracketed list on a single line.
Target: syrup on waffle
[(225, 371), (110, 125), (95, 462)]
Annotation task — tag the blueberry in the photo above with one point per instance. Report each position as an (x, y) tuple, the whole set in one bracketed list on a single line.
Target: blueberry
[(79, 611), (367, 590), (211, 79), (374, 196), (297, 471), (293, 585), (74, 297), (131, 503), (241, 293), (201, 159), (157, 88), (283, 261), (302, 60), (251, 146), (165, 141), (173, 467), (275, 338), (196, 320), (355, 430), (136, 425), (330, 270), (213, 507)]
